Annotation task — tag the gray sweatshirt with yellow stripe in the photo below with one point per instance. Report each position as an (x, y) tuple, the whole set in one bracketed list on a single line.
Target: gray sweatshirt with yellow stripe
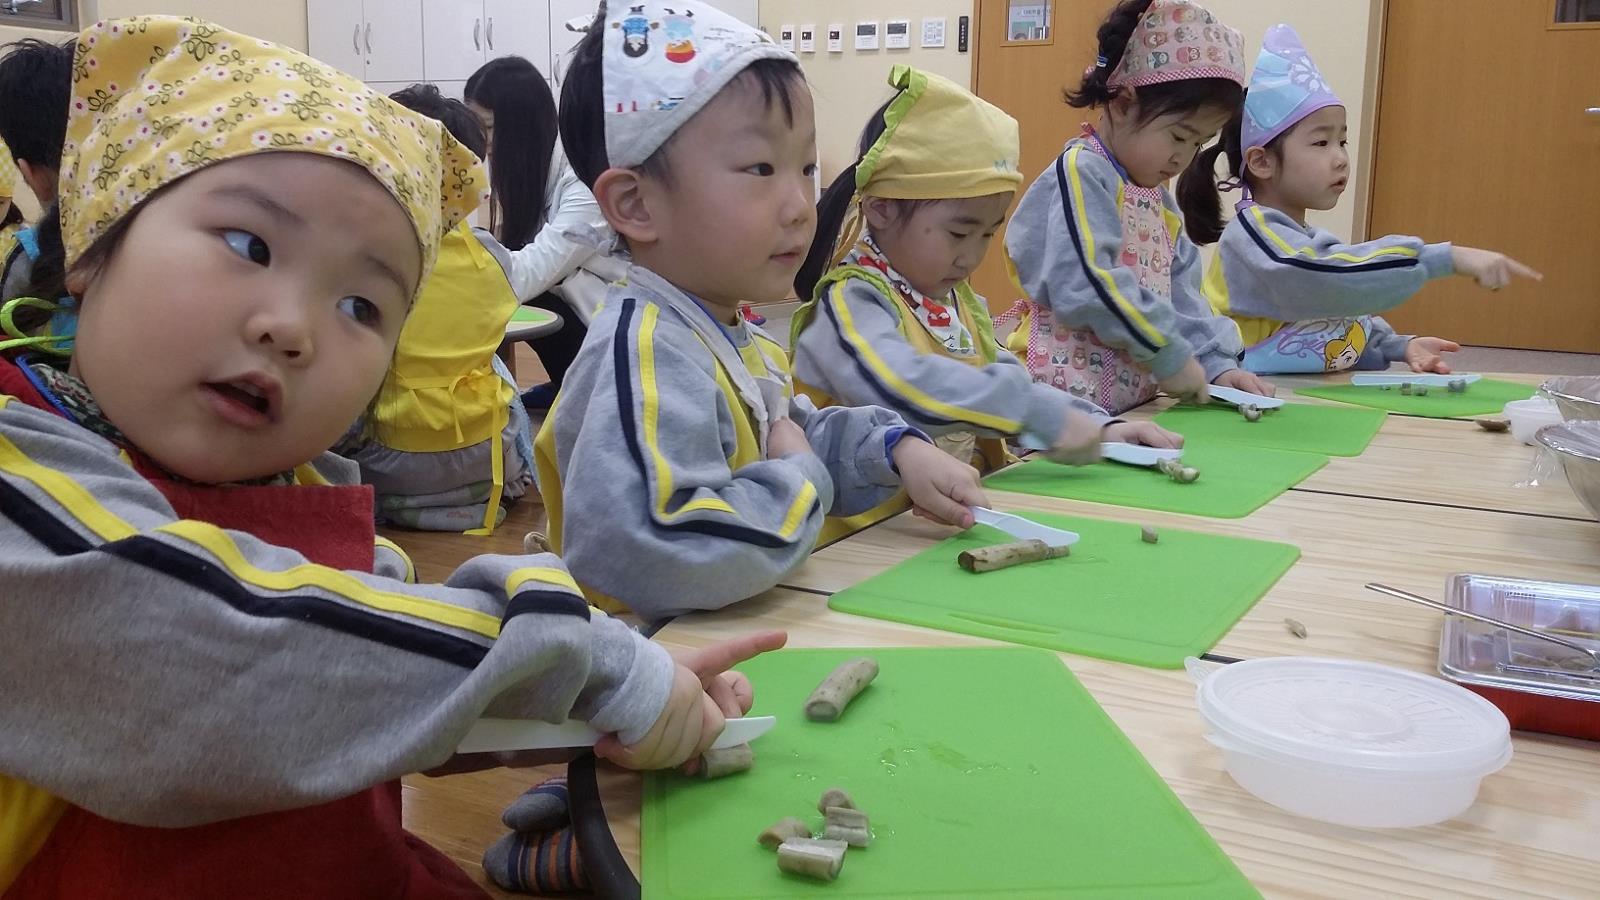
[(169, 673), (648, 466), (1269, 266), (855, 352), (1066, 243)]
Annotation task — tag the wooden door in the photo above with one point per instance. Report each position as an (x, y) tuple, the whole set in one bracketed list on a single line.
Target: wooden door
[(455, 45), (1489, 136), (393, 40), (333, 32), (1026, 78)]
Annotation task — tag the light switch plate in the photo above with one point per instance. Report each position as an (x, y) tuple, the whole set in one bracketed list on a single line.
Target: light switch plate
[(866, 35), (933, 33)]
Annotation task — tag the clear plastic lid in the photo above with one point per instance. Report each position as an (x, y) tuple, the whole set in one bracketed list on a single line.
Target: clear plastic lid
[(1354, 716)]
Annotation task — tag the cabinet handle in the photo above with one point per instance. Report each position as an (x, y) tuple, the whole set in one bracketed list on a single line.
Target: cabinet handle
[(477, 31), (369, 38), (355, 39), (1593, 110), (491, 32)]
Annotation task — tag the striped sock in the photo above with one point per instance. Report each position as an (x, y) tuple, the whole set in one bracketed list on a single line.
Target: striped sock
[(542, 808), (536, 863)]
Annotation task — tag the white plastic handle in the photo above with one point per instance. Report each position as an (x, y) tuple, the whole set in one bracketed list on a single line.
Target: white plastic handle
[(1198, 670)]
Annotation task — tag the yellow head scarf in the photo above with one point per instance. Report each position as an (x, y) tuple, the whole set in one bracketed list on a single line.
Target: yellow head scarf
[(8, 173), (940, 143), (155, 98)]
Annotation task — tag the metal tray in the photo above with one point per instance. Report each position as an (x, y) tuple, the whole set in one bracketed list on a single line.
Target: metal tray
[(1472, 653)]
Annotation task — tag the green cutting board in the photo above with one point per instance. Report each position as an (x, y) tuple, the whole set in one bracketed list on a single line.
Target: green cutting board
[(986, 772), (1329, 430), (1479, 399), (1115, 597), (1234, 480), (528, 315)]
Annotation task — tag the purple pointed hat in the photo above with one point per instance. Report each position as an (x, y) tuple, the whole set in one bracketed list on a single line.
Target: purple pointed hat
[(1285, 87)]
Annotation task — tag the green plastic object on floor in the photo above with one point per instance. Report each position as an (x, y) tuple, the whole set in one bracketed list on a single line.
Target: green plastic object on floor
[(530, 315), (986, 772), (1308, 428), (1234, 480), (1481, 398), (1115, 597)]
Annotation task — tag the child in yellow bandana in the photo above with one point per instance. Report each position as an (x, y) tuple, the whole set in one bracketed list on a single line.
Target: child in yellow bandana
[(11, 222), (207, 691), (897, 323)]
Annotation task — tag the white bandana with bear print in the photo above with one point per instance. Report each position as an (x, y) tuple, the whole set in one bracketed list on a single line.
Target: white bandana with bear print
[(663, 63)]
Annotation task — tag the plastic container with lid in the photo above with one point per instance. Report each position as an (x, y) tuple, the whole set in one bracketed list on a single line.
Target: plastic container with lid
[(1349, 742)]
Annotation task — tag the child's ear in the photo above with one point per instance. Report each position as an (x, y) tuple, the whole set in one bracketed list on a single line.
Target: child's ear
[(880, 213), (1124, 107), (1260, 164), (623, 198), (77, 281)]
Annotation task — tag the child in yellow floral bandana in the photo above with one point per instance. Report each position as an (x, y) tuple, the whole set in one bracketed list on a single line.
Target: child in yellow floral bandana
[(207, 691)]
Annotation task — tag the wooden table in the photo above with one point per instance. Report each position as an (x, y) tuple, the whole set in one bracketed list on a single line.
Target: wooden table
[(1394, 514)]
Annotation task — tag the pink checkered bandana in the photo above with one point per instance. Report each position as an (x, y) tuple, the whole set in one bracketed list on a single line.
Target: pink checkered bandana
[(1178, 40)]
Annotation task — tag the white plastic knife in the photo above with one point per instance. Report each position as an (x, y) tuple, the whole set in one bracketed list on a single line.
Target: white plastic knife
[(1243, 398), (1431, 379), (1136, 454), (1024, 529), (501, 735)]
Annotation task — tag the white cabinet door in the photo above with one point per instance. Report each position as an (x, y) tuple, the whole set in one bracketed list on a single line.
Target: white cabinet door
[(392, 37), (568, 19), (518, 28), (454, 41), (334, 31)]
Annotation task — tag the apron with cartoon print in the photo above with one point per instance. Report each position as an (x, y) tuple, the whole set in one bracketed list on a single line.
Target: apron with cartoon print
[(1078, 362)]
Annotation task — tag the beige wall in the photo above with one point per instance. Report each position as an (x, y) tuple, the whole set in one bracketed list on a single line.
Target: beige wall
[(1341, 36), (849, 86)]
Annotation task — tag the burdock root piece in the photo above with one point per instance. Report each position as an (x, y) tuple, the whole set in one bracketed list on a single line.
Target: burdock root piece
[(1496, 425), (821, 860), (828, 701), (1250, 412), (848, 825), (1177, 471), (717, 763), (783, 830), (1003, 556), (836, 798)]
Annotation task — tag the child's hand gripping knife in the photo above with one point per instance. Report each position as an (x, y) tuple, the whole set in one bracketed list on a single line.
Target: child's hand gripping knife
[(1145, 434), (1244, 380), (942, 488), (1188, 383), (703, 694), (1078, 444)]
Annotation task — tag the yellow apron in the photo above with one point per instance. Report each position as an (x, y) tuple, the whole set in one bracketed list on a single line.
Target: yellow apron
[(442, 392)]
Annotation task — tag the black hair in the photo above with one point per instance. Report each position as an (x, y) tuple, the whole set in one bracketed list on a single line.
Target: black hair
[(523, 142), (1183, 96), (583, 123), (35, 92), (835, 205), (13, 217), (462, 123), (1199, 197)]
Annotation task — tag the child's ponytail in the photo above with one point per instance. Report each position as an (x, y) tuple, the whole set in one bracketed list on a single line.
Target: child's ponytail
[(832, 210), (1199, 193), (1112, 40)]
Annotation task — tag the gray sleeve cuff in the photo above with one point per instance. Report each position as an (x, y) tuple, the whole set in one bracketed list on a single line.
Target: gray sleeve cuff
[(1169, 359), (637, 702), (1437, 260), (816, 472)]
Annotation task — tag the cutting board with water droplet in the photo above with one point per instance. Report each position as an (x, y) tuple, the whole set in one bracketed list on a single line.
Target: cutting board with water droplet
[(986, 771)]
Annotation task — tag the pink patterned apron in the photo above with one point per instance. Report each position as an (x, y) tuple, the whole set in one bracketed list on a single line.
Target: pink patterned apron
[(1078, 362)]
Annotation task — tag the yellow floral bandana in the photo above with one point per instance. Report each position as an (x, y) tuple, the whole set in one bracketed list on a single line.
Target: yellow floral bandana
[(8, 173), (155, 98)]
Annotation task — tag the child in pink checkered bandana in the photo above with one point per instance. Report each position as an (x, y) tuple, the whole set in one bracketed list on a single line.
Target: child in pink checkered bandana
[(1098, 242)]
